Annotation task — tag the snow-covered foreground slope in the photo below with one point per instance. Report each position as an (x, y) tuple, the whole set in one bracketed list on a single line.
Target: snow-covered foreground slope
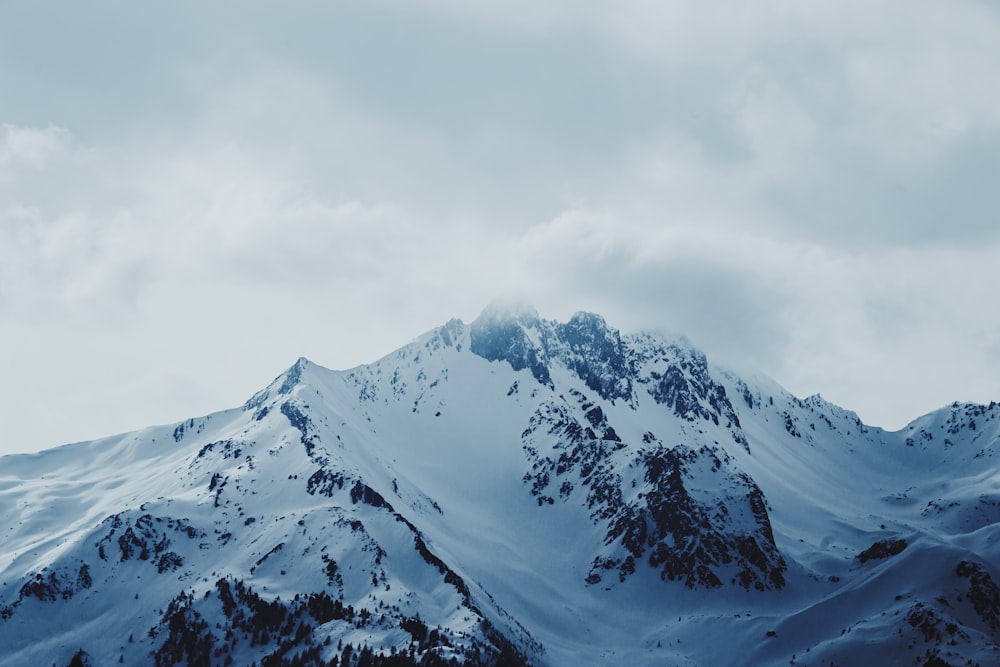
[(513, 491)]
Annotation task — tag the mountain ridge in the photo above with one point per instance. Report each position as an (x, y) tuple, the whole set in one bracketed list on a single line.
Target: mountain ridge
[(507, 482)]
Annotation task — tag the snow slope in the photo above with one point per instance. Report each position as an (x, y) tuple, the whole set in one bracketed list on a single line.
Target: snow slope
[(511, 491)]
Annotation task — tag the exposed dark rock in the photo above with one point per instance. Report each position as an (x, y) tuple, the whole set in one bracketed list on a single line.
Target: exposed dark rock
[(678, 377), (608, 365), (325, 482), (697, 542), (450, 577), (145, 538), (298, 419), (283, 633), (983, 592), (362, 493), (230, 449), (882, 549), (47, 588), (496, 339), (595, 352), (51, 585), (694, 542)]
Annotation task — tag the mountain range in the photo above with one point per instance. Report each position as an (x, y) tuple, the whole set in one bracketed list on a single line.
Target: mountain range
[(511, 491)]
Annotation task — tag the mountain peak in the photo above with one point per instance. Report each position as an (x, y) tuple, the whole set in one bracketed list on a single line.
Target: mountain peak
[(590, 329), (281, 385), (583, 317)]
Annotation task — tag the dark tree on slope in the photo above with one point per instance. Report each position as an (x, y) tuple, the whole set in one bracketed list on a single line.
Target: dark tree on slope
[(80, 659)]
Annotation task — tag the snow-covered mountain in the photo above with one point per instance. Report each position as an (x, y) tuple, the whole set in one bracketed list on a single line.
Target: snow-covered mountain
[(511, 491)]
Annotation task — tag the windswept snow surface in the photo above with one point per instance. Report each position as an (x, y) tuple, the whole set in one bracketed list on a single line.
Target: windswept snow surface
[(532, 492)]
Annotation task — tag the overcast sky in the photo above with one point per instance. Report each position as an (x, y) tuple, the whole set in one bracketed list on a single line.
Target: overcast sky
[(194, 194)]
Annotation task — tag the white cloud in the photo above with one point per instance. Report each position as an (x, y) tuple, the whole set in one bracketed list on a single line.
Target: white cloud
[(778, 131), (30, 145), (804, 188)]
